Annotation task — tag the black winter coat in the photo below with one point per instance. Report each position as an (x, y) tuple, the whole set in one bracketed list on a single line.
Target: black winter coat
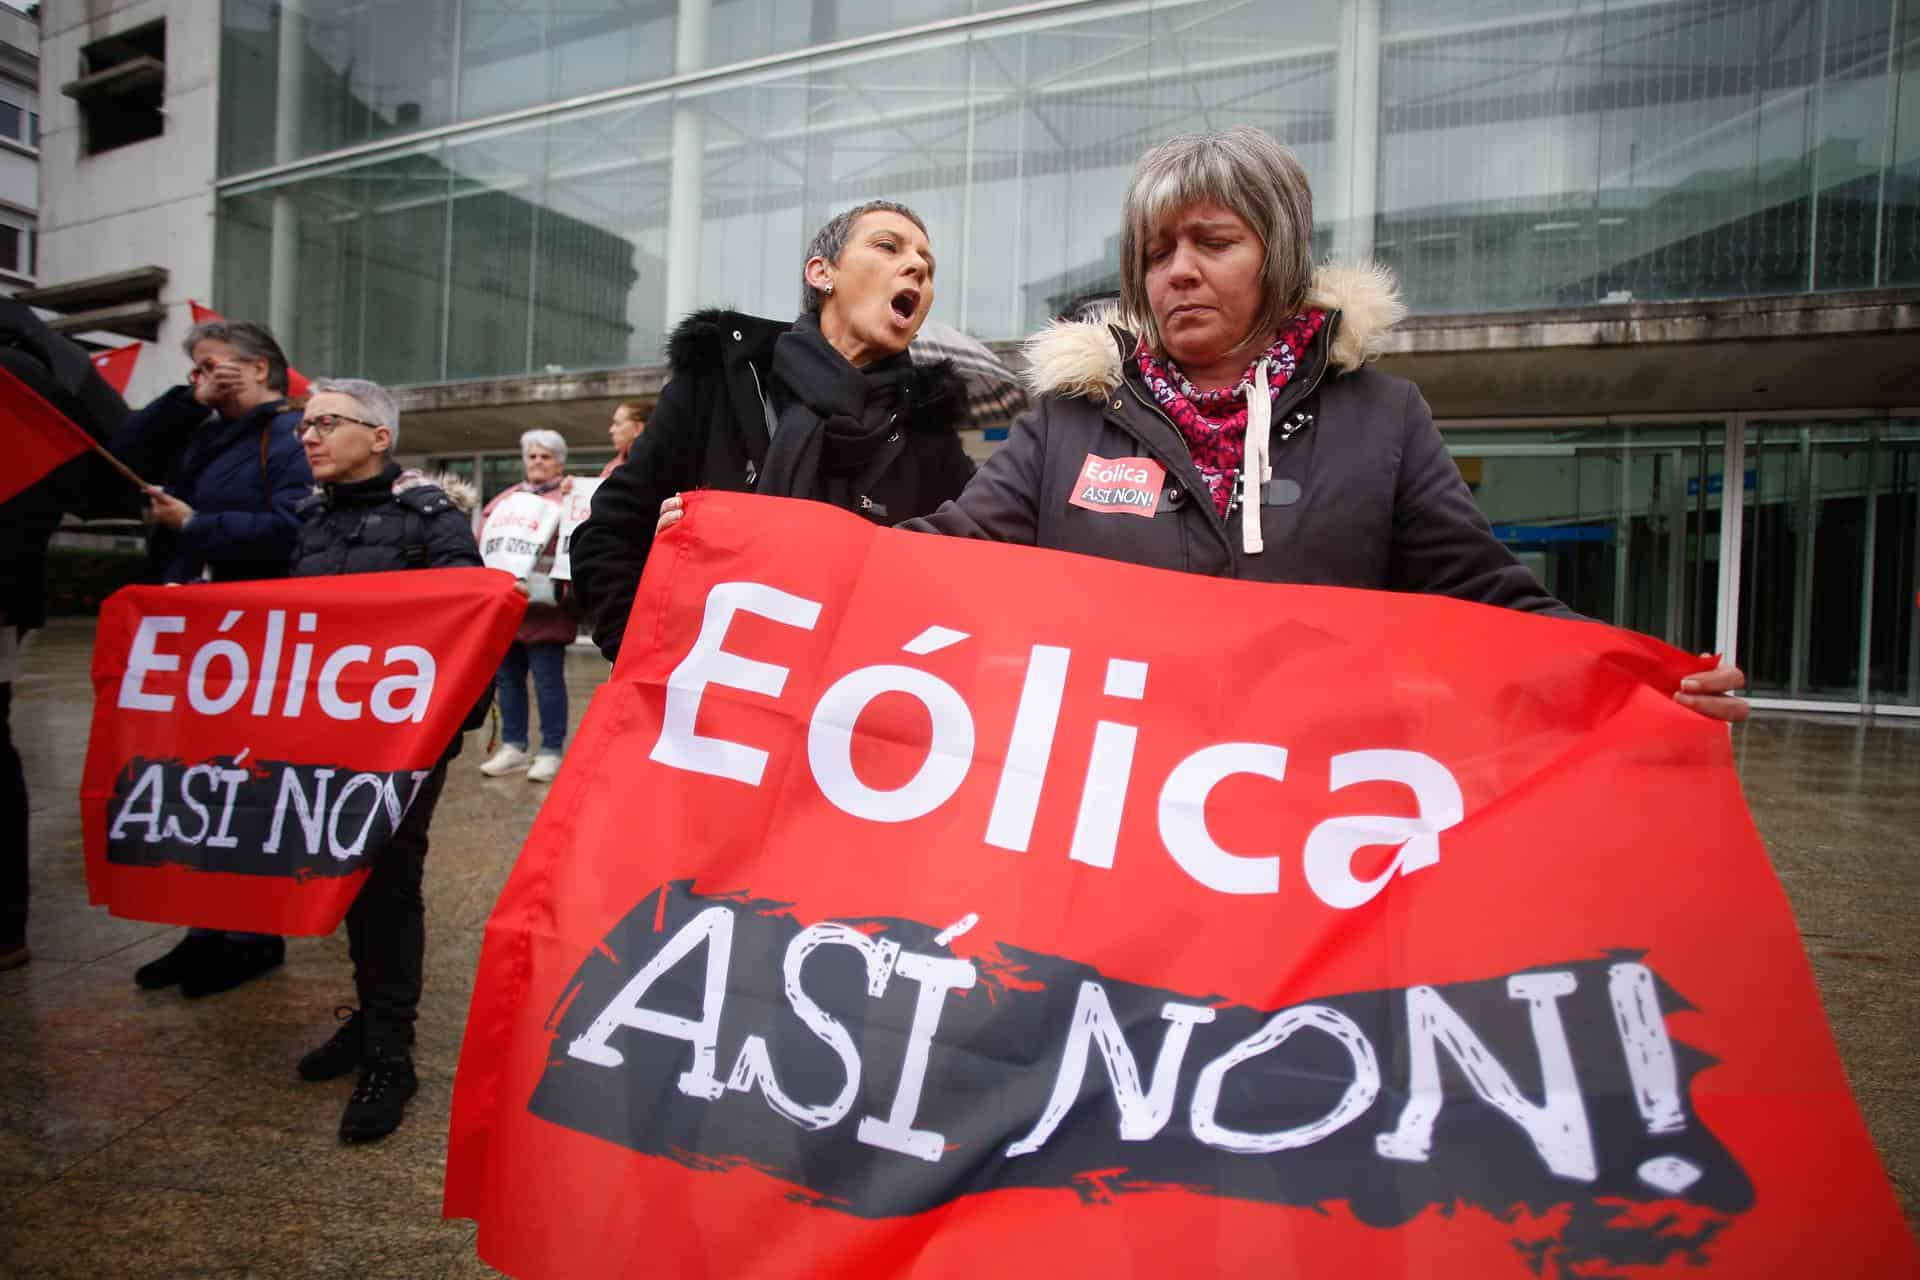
[(397, 520), (242, 476), (709, 431)]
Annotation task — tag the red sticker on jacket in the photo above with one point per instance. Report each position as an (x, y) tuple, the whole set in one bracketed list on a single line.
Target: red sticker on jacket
[(1130, 486)]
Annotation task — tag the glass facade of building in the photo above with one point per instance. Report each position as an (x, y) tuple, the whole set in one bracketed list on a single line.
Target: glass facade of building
[(430, 190), (479, 188), (1626, 524)]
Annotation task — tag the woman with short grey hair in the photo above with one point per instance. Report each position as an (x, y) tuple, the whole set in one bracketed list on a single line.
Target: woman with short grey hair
[(829, 407), (540, 646), (1230, 401)]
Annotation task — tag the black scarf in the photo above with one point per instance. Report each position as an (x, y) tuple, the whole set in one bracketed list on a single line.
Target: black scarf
[(837, 423)]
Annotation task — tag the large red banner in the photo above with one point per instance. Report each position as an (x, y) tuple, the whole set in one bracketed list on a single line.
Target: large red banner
[(917, 906), (255, 743)]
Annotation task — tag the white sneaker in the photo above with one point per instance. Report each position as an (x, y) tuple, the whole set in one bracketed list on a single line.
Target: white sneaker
[(505, 761), (545, 765)]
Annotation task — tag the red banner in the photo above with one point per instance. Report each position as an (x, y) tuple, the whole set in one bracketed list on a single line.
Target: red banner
[(255, 743), (38, 436), (116, 366), (919, 906)]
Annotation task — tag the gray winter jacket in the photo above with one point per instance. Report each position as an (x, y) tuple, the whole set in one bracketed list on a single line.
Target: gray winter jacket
[(1363, 492)]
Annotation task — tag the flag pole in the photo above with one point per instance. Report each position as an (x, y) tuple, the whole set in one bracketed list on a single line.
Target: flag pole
[(132, 476)]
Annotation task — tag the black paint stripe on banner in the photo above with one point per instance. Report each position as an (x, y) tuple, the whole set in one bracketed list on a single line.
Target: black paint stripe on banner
[(851, 1060), (254, 817)]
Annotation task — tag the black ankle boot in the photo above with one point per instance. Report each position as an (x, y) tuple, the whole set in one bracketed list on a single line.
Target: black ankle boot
[(341, 1053), (236, 960), (186, 957), (379, 1100)]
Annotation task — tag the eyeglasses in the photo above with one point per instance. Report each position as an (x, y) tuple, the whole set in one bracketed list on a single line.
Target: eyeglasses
[(325, 424)]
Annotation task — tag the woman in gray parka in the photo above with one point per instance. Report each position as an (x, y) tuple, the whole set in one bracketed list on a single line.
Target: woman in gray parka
[(1239, 433)]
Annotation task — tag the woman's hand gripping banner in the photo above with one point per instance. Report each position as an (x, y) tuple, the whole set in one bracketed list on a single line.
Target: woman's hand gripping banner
[(917, 906), (254, 744)]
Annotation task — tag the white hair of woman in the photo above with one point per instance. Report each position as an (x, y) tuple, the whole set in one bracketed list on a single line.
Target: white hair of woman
[(541, 438)]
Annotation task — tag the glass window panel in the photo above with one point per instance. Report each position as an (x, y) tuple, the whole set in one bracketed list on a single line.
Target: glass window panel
[(1894, 675), (1900, 216), (11, 239), (600, 270), (371, 255), (343, 71), (1608, 153), (498, 181), (516, 54), (1620, 523), (1803, 560), (741, 29), (13, 121)]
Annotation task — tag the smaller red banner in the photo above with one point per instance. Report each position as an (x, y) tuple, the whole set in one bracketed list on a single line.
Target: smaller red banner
[(116, 366), (255, 744)]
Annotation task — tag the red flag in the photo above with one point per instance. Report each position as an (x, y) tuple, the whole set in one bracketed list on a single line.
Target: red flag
[(38, 436), (908, 904), (297, 383), (116, 366), (255, 743)]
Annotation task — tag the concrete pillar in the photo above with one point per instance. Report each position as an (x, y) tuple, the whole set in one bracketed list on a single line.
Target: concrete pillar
[(1356, 129), (688, 179), (283, 264)]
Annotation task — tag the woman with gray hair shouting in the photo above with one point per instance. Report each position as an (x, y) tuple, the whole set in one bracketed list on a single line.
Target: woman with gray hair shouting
[(829, 407), (1238, 416), (540, 646)]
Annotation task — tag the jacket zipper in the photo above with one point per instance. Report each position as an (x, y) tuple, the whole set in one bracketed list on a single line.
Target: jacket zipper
[(766, 412)]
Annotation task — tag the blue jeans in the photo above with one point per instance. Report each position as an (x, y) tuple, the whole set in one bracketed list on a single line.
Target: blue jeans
[(548, 663)]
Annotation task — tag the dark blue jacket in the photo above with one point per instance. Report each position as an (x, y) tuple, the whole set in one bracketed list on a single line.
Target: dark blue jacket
[(244, 491)]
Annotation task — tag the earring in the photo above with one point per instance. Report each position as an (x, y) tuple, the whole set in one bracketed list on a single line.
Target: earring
[(829, 288)]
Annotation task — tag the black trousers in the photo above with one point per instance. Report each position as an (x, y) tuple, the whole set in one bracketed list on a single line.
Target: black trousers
[(13, 831), (387, 929)]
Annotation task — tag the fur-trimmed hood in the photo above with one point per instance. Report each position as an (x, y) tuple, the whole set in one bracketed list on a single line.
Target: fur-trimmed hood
[(462, 495), (1083, 358)]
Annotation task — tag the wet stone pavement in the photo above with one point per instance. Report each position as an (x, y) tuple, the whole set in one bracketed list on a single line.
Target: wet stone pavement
[(142, 1134)]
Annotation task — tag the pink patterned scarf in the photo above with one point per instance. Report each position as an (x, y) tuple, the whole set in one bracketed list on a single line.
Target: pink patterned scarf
[(1214, 423)]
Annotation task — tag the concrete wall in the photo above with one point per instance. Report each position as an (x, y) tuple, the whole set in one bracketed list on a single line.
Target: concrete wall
[(147, 204)]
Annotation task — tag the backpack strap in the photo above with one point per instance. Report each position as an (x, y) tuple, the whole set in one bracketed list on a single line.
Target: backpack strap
[(421, 503)]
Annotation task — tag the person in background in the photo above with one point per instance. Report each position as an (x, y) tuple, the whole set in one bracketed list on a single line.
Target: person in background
[(233, 478), (369, 516), (629, 420), (540, 646), (829, 406)]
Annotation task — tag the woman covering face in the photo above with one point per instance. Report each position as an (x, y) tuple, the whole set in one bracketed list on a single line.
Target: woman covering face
[(829, 407), (1233, 408)]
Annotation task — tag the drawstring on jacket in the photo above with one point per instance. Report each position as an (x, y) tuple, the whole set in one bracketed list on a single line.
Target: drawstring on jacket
[(1256, 468)]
